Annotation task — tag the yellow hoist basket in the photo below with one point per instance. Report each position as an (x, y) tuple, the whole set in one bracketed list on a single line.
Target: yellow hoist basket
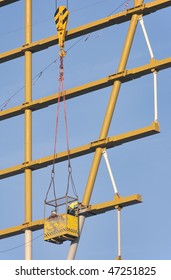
[(61, 228)]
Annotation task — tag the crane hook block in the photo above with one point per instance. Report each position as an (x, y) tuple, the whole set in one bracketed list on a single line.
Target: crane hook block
[(61, 20)]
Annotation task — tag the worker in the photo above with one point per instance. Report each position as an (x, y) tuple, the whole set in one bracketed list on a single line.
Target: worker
[(72, 207), (53, 214)]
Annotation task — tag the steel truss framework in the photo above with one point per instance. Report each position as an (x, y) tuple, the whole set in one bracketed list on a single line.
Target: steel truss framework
[(97, 146)]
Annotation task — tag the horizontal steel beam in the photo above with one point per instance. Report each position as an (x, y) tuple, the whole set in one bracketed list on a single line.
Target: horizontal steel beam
[(103, 207), (7, 2), (124, 76), (121, 17), (16, 230), (108, 142), (88, 212)]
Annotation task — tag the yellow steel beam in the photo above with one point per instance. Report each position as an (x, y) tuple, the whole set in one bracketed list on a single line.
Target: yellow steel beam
[(124, 76), (106, 124), (15, 230), (108, 142), (103, 207), (88, 212), (7, 2), (111, 107), (121, 17)]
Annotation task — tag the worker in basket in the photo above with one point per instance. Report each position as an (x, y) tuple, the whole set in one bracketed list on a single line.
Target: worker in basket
[(73, 207), (53, 214)]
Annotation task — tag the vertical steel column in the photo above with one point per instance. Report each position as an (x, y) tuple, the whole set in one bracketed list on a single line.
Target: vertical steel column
[(119, 233), (28, 128), (106, 124), (155, 97)]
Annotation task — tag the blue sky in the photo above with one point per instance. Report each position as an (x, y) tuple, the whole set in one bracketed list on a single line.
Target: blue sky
[(142, 166)]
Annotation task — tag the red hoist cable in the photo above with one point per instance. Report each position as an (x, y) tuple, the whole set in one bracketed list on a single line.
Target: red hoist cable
[(61, 89), (61, 19)]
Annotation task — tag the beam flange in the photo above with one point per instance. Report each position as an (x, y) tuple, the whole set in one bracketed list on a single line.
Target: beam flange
[(124, 76), (108, 143), (121, 17), (89, 211)]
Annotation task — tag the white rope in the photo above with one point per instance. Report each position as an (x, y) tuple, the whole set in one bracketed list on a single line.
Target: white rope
[(155, 72), (146, 37), (155, 97), (119, 232), (110, 172)]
